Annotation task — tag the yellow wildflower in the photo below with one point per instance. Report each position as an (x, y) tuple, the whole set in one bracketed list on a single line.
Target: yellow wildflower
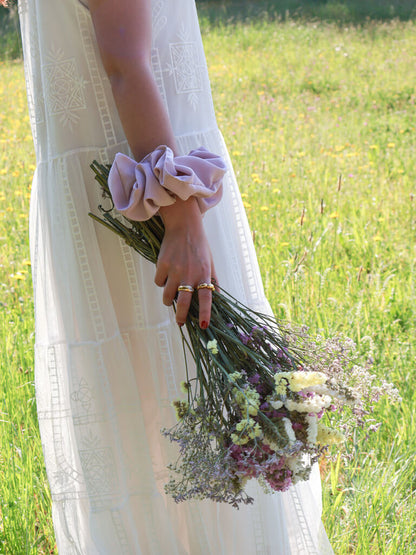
[(251, 430), (185, 387), (248, 400), (234, 376), (239, 440), (213, 346), (281, 380), (181, 408)]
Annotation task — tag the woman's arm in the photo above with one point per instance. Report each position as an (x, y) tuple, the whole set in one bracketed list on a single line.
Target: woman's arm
[(123, 30)]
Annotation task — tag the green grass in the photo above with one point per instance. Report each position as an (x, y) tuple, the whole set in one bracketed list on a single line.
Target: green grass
[(341, 11), (320, 122), (11, 46)]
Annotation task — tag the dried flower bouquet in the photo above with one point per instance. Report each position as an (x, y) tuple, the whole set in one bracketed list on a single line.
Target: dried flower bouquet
[(256, 403)]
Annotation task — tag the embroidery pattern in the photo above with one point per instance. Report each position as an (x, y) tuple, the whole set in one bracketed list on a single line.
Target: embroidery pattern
[(185, 67), (120, 532), (96, 75), (184, 62), (99, 470), (159, 21), (56, 408), (130, 266), (64, 88), (83, 395)]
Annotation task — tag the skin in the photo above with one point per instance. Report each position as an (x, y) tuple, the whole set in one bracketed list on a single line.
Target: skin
[(185, 257)]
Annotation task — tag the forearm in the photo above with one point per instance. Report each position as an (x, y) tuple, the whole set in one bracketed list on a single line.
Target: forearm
[(141, 110), (123, 30)]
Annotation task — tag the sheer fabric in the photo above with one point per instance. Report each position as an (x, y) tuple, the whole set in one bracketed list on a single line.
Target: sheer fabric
[(108, 353)]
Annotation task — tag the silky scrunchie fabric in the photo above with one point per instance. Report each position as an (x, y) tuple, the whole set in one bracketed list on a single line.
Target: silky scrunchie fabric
[(139, 189)]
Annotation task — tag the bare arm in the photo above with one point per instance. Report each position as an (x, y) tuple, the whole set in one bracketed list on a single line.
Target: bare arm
[(123, 32)]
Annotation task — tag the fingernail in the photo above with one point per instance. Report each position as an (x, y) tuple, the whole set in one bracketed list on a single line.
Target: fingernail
[(204, 325), (180, 324)]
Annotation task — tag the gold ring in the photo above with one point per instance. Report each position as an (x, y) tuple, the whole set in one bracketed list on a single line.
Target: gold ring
[(187, 288), (206, 286)]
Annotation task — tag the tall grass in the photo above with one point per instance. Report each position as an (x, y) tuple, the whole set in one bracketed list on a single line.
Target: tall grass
[(10, 43), (320, 123), (341, 11)]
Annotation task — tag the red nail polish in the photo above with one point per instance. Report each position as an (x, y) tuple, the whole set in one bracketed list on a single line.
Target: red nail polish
[(180, 324), (204, 325)]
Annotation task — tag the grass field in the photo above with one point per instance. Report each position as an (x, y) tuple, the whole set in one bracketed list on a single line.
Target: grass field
[(320, 123)]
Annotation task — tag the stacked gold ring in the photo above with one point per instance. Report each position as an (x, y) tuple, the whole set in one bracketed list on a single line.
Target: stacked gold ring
[(206, 286), (187, 288)]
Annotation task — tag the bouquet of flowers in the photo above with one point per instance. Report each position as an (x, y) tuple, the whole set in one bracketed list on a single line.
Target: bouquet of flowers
[(261, 392)]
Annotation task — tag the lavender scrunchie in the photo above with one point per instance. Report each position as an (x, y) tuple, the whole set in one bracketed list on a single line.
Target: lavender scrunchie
[(140, 188)]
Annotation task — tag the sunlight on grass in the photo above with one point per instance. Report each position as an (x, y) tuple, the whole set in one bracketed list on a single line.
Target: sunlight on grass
[(320, 124)]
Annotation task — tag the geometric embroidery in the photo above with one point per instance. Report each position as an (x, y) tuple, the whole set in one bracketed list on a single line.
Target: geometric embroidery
[(99, 468), (83, 395), (64, 89), (184, 65), (159, 20), (186, 71)]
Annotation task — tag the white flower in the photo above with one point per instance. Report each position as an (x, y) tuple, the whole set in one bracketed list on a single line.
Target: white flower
[(289, 430), (294, 464), (316, 404), (213, 346), (276, 404), (312, 431)]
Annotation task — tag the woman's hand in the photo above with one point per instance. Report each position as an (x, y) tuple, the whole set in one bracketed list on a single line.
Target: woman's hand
[(185, 259)]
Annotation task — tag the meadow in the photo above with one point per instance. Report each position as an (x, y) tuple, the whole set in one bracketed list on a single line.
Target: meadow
[(320, 122)]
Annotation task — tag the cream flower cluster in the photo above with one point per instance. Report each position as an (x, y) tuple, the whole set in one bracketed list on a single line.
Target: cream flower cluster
[(248, 400), (297, 381), (314, 404), (234, 376), (212, 346), (312, 429), (250, 430), (289, 430)]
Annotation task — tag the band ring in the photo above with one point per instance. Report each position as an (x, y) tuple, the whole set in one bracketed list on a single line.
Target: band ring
[(187, 288), (206, 286)]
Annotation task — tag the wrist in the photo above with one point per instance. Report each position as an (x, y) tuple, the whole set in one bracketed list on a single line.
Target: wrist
[(161, 179), (180, 213)]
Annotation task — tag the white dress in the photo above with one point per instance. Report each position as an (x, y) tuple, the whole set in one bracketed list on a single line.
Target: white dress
[(108, 353)]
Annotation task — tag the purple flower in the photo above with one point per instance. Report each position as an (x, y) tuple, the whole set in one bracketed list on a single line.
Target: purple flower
[(244, 338)]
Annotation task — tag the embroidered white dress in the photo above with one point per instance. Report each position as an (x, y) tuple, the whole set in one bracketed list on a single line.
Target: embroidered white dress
[(108, 353)]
